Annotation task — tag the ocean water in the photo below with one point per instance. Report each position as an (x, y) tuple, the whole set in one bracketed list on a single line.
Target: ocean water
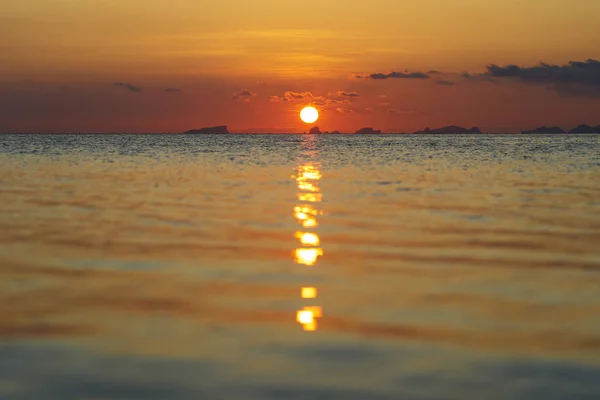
[(299, 267)]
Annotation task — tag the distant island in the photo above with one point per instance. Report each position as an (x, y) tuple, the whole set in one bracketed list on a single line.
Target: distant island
[(583, 128), (452, 129), (367, 131), (213, 130), (586, 129), (449, 129), (543, 129)]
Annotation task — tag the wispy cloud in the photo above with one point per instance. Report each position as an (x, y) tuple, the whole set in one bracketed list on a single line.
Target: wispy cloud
[(343, 93), (244, 95), (293, 97), (128, 86), (391, 75), (172, 90)]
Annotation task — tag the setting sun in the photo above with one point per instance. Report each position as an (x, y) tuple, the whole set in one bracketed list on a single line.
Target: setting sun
[(309, 115)]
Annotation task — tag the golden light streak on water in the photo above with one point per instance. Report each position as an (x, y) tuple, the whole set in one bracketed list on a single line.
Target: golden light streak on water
[(308, 239), (306, 214), (309, 293), (310, 197), (308, 257), (305, 317)]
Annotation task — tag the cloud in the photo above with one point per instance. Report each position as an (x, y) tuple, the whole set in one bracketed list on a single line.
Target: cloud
[(295, 97), (322, 101), (345, 110), (581, 78), (343, 93), (278, 99), (444, 82), (299, 96), (172, 90), (325, 102), (392, 75), (128, 86), (244, 96)]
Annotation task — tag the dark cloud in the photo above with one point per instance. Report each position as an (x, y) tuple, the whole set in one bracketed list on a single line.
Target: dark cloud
[(128, 86), (586, 73), (393, 75), (433, 72), (243, 95), (444, 82), (343, 93), (580, 78), (478, 77), (172, 90)]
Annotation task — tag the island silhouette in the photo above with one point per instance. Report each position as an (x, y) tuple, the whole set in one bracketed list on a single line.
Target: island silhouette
[(213, 130), (451, 129)]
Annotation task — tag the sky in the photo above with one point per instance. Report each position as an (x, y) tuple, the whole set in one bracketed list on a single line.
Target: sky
[(398, 66)]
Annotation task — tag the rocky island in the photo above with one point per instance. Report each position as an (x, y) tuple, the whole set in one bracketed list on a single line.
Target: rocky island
[(367, 131), (544, 129), (585, 129), (449, 130), (213, 130), (315, 131)]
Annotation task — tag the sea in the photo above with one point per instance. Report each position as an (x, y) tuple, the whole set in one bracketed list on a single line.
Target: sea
[(299, 267)]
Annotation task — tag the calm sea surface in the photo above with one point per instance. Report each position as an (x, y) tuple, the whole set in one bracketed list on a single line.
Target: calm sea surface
[(299, 267)]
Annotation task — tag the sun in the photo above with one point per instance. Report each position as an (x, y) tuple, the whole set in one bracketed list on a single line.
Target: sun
[(309, 115)]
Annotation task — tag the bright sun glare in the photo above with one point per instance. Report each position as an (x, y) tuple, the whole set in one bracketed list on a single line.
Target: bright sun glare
[(309, 115)]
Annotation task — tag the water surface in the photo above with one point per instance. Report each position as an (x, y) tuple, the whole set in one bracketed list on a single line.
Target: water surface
[(299, 267)]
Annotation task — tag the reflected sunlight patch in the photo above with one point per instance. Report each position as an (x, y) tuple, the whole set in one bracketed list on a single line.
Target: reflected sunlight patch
[(307, 186), (310, 197), (309, 293), (308, 257), (308, 239), (307, 317), (305, 215), (310, 223)]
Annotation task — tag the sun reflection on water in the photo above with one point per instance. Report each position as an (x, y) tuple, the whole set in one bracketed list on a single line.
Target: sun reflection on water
[(308, 253)]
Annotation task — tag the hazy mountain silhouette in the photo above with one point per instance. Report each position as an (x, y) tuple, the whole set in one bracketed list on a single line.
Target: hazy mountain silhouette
[(544, 129), (585, 129), (213, 130), (450, 129), (365, 131)]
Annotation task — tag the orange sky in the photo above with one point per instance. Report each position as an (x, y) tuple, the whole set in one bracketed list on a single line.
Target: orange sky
[(60, 60)]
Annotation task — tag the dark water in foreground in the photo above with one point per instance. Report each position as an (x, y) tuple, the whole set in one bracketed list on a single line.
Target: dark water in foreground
[(299, 267)]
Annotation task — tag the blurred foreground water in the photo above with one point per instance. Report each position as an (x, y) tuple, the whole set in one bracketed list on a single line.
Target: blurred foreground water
[(299, 267)]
